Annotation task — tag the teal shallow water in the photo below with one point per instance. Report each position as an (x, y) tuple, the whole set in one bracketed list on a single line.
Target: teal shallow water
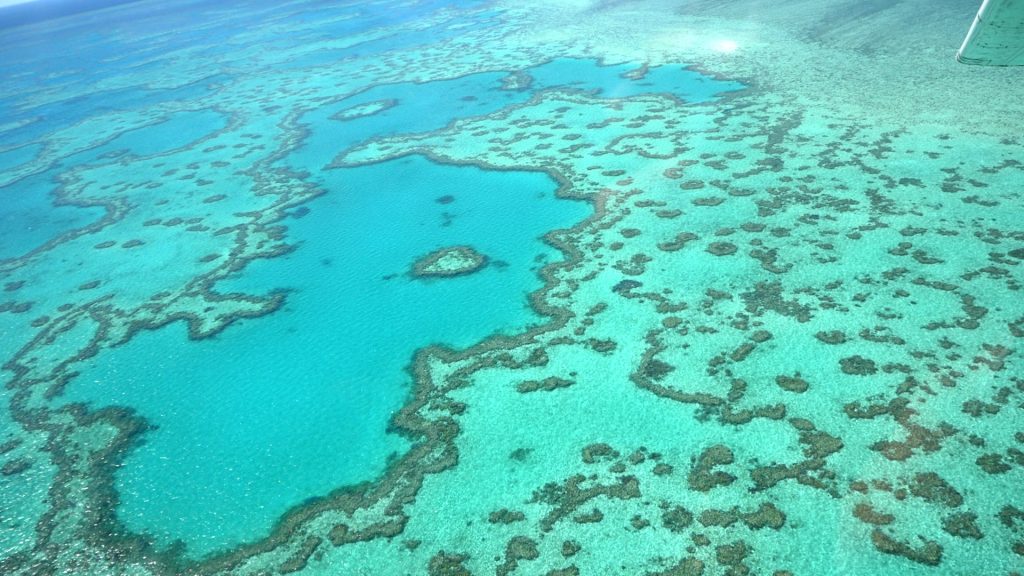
[(29, 218), (422, 107), (14, 157), (309, 391), (289, 407), (790, 333), (32, 214)]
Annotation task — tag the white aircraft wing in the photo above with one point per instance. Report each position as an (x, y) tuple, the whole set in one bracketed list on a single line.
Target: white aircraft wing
[(997, 36)]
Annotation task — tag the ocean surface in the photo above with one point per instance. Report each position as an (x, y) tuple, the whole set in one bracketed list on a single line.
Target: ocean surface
[(562, 288)]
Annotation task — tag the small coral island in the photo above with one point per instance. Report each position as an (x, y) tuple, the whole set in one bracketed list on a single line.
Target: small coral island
[(449, 262), (365, 109)]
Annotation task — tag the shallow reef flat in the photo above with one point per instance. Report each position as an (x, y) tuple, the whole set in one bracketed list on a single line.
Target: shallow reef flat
[(448, 262), (751, 303)]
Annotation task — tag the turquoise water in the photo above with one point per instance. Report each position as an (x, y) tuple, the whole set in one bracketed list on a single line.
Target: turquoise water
[(16, 156), (569, 287), (30, 219), (415, 107), (31, 216), (241, 414), (351, 303), (175, 131)]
